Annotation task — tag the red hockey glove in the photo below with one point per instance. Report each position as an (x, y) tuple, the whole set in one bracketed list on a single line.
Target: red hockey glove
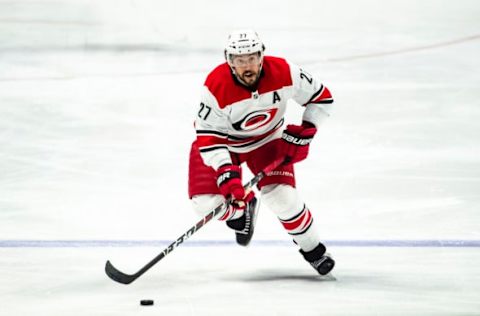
[(229, 181), (296, 142)]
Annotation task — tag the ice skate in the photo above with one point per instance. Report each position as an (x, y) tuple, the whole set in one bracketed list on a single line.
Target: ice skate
[(245, 225), (319, 259)]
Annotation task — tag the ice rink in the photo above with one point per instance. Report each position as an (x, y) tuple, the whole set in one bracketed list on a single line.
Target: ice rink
[(97, 101)]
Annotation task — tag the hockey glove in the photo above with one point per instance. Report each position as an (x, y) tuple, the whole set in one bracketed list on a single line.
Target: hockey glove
[(229, 181), (296, 142)]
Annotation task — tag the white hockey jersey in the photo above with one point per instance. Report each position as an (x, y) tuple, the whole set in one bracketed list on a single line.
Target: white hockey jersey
[(232, 118)]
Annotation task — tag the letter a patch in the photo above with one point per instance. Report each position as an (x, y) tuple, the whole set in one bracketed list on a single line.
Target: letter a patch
[(276, 97)]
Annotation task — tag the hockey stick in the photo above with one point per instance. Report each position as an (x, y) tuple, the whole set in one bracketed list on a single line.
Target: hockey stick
[(124, 278)]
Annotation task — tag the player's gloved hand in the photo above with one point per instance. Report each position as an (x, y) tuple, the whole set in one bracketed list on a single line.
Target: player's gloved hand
[(229, 181), (296, 142)]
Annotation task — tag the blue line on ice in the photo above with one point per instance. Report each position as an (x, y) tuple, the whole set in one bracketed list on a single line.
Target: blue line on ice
[(215, 243)]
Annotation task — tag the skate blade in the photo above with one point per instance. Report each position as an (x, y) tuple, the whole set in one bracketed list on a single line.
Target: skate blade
[(327, 277)]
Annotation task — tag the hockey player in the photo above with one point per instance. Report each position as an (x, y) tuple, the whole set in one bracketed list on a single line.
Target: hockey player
[(240, 120)]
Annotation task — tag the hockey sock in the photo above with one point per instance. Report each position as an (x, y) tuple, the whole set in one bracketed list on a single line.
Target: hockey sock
[(299, 223), (231, 213)]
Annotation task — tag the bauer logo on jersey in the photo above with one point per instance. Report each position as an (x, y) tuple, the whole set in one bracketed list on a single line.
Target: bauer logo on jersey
[(255, 120)]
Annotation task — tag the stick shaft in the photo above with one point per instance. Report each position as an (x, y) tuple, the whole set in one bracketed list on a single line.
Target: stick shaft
[(124, 278)]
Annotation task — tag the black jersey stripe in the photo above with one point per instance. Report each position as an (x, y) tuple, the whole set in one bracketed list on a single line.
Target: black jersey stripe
[(324, 101), (212, 148), (316, 94), (211, 132)]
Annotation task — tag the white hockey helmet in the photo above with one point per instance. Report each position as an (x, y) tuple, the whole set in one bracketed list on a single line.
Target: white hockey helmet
[(243, 42)]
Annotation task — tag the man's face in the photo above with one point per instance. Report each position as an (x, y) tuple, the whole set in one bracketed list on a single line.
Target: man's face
[(247, 68)]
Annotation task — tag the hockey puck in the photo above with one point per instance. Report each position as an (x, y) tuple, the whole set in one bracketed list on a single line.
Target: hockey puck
[(146, 302)]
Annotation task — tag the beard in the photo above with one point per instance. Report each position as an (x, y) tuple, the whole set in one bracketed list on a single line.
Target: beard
[(249, 78)]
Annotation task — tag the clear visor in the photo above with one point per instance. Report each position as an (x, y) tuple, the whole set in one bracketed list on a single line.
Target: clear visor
[(246, 59)]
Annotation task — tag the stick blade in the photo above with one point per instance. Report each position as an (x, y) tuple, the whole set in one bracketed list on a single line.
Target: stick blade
[(118, 276)]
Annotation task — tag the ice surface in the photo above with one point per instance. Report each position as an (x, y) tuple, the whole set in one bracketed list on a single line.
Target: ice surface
[(97, 101)]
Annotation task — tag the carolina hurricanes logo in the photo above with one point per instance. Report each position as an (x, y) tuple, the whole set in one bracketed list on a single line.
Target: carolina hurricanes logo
[(255, 120)]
